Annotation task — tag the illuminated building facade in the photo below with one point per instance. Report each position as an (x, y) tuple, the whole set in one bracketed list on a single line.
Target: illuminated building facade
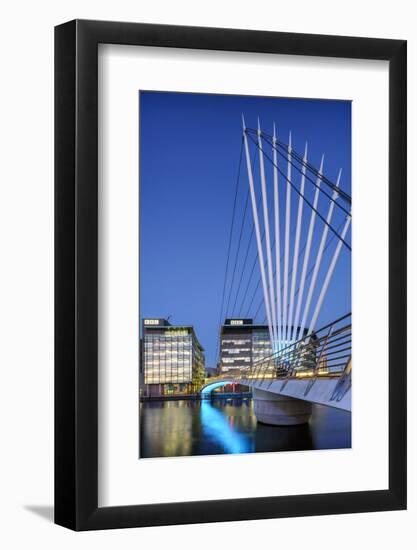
[(172, 359), (242, 344)]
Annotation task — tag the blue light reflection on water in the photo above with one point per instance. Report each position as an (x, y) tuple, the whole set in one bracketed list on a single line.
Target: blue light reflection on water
[(216, 425), (228, 426)]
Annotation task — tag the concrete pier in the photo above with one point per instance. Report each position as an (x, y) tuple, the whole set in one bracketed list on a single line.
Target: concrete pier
[(280, 410)]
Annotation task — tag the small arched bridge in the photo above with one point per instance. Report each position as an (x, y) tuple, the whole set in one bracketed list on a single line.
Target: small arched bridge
[(216, 382)]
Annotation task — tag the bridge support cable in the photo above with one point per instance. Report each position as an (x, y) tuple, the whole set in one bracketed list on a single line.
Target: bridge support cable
[(326, 181), (296, 249), (255, 261), (241, 309), (343, 195), (328, 277), (287, 242), (237, 253), (306, 256), (323, 219), (247, 287), (242, 273), (318, 262), (277, 247), (257, 230), (310, 271), (247, 248), (230, 242), (274, 275), (259, 280), (267, 240), (308, 178)]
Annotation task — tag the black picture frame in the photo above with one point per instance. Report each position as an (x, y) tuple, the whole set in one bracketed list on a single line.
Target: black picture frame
[(76, 272)]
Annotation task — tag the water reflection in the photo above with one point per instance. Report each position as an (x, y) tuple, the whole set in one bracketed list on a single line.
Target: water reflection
[(227, 426), (223, 429)]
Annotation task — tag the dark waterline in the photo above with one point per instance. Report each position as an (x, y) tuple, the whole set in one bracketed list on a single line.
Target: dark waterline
[(227, 426)]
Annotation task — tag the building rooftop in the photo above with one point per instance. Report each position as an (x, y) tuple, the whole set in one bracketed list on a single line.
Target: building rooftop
[(157, 324)]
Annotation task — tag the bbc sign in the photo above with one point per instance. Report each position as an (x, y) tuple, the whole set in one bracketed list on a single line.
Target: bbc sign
[(152, 322), (238, 322)]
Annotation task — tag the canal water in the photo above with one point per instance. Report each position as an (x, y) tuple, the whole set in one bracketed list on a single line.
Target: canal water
[(226, 426)]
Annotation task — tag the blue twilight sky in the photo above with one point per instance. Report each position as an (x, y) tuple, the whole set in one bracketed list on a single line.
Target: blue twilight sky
[(190, 146)]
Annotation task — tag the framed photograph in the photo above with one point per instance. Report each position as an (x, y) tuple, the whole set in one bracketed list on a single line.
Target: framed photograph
[(230, 255)]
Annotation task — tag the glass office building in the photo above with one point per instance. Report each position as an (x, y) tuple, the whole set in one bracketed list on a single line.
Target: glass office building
[(172, 359), (261, 343), (242, 344)]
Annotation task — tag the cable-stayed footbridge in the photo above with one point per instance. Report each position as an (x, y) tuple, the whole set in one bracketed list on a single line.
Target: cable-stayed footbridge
[(301, 224)]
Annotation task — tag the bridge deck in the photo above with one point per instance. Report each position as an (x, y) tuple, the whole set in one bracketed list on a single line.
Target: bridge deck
[(332, 392)]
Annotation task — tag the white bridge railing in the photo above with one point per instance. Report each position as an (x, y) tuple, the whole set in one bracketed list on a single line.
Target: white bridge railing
[(325, 353)]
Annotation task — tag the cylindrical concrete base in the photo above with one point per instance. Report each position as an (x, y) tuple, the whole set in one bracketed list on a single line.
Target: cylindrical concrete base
[(280, 410)]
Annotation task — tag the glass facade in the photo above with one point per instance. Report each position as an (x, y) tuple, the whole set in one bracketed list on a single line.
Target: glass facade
[(261, 344), (172, 358), (242, 344)]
